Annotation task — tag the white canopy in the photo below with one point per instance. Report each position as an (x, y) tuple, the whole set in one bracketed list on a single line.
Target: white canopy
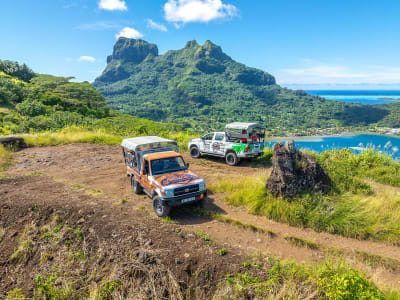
[(147, 142), (241, 125)]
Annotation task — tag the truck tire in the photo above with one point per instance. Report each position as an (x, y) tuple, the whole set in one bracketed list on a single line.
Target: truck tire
[(199, 204), (137, 188), (159, 209), (231, 158), (194, 152)]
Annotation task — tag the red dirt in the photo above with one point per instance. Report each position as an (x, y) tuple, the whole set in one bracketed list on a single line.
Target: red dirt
[(101, 167)]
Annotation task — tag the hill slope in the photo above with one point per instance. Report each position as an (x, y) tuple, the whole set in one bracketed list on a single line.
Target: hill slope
[(202, 84), (31, 102)]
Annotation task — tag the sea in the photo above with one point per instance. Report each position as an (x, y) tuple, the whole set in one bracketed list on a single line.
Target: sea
[(386, 144), (359, 96)]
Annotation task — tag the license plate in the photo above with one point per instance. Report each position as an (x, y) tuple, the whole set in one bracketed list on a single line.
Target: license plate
[(188, 199)]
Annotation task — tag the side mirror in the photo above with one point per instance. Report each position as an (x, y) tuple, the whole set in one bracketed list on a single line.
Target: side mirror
[(187, 165)]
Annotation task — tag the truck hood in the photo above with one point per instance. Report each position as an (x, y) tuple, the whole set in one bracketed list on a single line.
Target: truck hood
[(177, 179)]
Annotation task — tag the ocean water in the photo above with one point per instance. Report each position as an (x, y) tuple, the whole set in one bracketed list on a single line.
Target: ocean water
[(359, 96), (383, 143)]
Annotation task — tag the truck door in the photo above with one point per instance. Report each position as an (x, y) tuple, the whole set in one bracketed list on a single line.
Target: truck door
[(218, 143), (145, 173), (206, 142)]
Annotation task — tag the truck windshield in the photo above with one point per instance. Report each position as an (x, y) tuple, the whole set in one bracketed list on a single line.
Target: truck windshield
[(167, 165)]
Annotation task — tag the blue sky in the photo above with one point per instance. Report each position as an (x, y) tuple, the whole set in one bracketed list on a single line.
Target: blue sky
[(303, 43)]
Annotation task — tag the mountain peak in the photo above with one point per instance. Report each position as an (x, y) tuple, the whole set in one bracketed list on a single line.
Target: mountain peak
[(209, 49), (191, 44), (132, 50)]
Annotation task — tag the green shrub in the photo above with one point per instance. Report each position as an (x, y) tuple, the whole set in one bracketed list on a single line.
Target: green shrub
[(345, 283)]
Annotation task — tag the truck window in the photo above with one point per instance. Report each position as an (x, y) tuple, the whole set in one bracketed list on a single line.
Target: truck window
[(146, 166), (167, 165), (219, 136), (208, 137)]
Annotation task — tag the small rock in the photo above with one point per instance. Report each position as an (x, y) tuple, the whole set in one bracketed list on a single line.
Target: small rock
[(258, 240), (81, 221), (187, 255)]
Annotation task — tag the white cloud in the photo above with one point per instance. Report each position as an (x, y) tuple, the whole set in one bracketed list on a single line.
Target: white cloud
[(130, 33), (186, 11), (154, 25), (86, 59), (313, 72), (113, 5)]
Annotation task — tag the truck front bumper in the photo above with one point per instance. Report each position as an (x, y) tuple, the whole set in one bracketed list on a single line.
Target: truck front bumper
[(184, 199)]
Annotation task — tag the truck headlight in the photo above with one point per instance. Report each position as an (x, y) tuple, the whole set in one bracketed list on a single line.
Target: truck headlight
[(169, 193), (202, 186)]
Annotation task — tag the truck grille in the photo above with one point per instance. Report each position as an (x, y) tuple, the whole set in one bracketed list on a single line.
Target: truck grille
[(186, 190)]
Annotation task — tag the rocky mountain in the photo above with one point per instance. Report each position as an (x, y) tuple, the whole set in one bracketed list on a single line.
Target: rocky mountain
[(202, 87)]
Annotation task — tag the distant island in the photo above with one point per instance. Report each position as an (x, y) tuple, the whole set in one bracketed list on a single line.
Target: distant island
[(389, 99)]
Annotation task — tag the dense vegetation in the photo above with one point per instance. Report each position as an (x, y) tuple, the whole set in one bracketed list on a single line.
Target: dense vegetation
[(202, 87), (353, 207), (31, 102)]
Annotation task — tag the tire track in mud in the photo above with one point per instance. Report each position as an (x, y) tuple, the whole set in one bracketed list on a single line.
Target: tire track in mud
[(100, 167)]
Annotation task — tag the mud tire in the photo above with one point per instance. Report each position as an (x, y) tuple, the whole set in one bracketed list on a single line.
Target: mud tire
[(195, 152), (136, 187), (159, 209), (200, 203), (231, 159)]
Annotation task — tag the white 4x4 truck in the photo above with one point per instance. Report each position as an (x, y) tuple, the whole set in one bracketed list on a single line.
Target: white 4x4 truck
[(240, 140)]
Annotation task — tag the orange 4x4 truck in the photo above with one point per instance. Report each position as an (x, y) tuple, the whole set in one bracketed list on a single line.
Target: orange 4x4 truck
[(157, 169)]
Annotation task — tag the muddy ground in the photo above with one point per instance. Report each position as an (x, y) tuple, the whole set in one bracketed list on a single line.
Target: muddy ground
[(88, 182)]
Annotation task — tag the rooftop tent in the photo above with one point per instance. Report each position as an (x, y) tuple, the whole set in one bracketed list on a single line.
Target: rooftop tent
[(239, 130), (147, 143), (246, 126)]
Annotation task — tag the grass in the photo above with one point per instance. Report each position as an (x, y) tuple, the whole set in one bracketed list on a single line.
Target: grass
[(374, 260), (5, 158), (353, 208), (288, 280), (70, 136), (74, 134), (300, 242)]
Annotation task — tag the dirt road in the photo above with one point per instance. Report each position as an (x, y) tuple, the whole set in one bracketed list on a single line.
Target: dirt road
[(100, 169)]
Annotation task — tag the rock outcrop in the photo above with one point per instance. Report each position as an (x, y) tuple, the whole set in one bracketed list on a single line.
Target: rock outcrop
[(132, 50), (295, 172), (13, 142)]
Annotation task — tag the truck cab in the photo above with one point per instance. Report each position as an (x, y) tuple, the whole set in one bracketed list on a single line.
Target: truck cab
[(157, 169)]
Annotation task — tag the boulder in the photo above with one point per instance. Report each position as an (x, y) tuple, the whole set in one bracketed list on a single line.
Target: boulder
[(13, 142), (294, 172)]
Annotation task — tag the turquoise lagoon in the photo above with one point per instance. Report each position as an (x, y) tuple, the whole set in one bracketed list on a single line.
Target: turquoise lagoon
[(358, 142)]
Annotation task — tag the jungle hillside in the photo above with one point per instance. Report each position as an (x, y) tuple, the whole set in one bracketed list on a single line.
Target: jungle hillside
[(203, 88)]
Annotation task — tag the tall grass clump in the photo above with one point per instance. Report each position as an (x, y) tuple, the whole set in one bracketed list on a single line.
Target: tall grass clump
[(5, 158), (287, 280), (71, 135), (353, 208), (369, 164), (77, 134)]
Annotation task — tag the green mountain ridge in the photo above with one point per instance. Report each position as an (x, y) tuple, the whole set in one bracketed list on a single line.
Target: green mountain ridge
[(31, 102), (202, 87)]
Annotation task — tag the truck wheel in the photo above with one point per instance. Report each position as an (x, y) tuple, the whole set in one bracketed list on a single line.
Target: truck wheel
[(137, 189), (231, 159), (200, 203), (194, 152), (159, 209)]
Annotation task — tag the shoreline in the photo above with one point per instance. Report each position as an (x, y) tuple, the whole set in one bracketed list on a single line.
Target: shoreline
[(344, 134)]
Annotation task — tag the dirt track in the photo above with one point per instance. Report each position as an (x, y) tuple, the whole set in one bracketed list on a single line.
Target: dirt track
[(100, 168)]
